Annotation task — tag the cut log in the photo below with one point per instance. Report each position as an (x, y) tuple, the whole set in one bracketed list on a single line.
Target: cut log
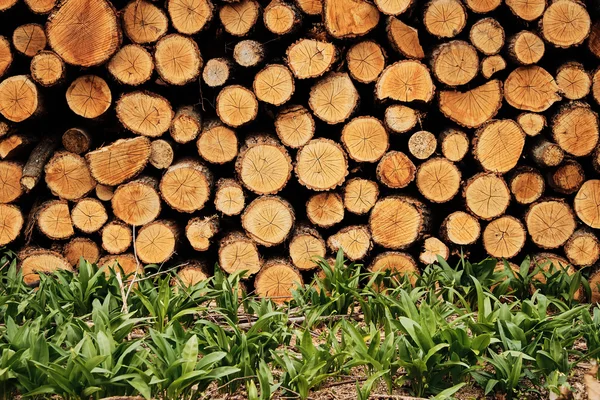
[(125, 264), (325, 209), (18, 98), (295, 126), (438, 180), (400, 119), (527, 185), (444, 18), (455, 63), (192, 274), (280, 17), (460, 228), (587, 203), (365, 139), (248, 53), (11, 220), (455, 144), (186, 186), (36, 260), (531, 123), (229, 197), (238, 18), (143, 22), (404, 39), (47, 68), (432, 248), (236, 105), (89, 215), (137, 202), (32, 171), (6, 56), (116, 237), (593, 42), (131, 65), (122, 160), (531, 88), (472, 108), (41, 6), (422, 144), (263, 165), (492, 64), (486, 195), (397, 264), (498, 145), (186, 125), (178, 60), (238, 253), (334, 98), (67, 176), (89, 96), (483, 6), (76, 140), (78, 248), (528, 10), (144, 113), (349, 18), (487, 35), (504, 237), (10, 181), (84, 32), (200, 231), (406, 81), (596, 86), (355, 241), (161, 154), (216, 72), (575, 129), (565, 23), (365, 61), (573, 80), (104, 193), (310, 7), (321, 165), (54, 220), (268, 220), (547, 154), (526, 48), (567, 178), (550, 223), (397, 222), (277, 281), (217, 143), (155, 243), (360, 195), (583, 248), (306, 246), (396, 170), (274, 84), (190, 16), (393, 7), (29, 39)]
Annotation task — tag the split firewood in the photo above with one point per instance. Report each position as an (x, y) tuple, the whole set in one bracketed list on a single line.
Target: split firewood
[(404, 39), (472, 108), (492, 64), (531, 123), (119, 161)]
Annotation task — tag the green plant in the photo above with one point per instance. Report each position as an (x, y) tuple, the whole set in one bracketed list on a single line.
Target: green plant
[(507, 375)]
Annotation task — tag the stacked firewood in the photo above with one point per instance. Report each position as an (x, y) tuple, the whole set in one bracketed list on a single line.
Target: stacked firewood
[(259, 135)]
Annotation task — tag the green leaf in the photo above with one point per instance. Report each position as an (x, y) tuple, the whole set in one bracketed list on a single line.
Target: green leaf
[(189, 355)]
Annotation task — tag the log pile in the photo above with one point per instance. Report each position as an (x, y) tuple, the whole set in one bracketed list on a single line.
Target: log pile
[(262, 134)]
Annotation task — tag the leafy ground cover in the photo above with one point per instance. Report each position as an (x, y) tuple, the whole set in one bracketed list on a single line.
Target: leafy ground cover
[(464, 331)]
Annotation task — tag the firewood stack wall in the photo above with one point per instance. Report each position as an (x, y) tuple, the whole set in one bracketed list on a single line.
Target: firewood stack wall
[(260, 134)]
